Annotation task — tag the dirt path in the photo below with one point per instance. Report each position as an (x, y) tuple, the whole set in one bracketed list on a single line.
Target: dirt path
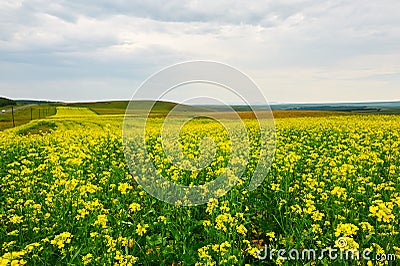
[(17, 108)]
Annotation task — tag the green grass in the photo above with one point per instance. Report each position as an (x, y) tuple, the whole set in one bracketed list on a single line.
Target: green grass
[(40, 127), (23, 116), (6, 101), (160, 109), (119, 107), (104, 108)]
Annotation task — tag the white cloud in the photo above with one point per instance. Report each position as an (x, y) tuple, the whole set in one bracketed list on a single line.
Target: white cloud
[(295, 49)]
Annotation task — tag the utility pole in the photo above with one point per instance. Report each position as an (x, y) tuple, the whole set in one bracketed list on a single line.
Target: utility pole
[(12, 113), (39, 113), (31, 113)]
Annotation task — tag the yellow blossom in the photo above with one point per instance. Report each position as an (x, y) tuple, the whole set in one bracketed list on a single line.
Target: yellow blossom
[(87, 258), (134, 207), (61, 239), (141, 229), (241, 229)]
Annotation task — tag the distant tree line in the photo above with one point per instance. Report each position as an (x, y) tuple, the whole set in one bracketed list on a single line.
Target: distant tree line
[(5, 102)]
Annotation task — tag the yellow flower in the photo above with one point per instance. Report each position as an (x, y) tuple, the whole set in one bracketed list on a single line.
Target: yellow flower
[(203, 253), (162, 219), (215, 247), (241, 229), (367, 227), (346, 230), (101, 220), (253, 251), (222, 220), (4, 262), (271, 235), (377, 248), (339, 192), (18, 262), (211, 205), (240, 215), (316, 229), (13, 233), (206, 223), (15, 219), (126, 260), (317, 216), (61, 239), (141, 229), (81, 214), (279, 261), (233, 258), (382, 210), (224, 247), (123, 187), (87, 258), (134, 207), (397, 251)]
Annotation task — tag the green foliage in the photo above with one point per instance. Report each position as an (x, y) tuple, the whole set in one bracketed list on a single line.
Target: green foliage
[(6, 102), (23, 115), (39, 127)]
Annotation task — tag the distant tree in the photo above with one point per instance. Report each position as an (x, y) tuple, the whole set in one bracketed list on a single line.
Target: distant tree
[(5, 102)]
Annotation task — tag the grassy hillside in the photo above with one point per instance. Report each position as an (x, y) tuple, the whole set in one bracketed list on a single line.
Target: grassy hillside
[(119, 107), (24, 102), (104, 108), (360, 107), (23, 116), (162, 108), (6, 102)]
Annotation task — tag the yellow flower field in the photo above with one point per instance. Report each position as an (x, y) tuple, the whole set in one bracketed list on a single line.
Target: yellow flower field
[(67, 196)]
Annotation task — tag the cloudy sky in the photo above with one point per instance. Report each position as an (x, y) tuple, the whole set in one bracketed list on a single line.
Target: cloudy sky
[(296, 51)]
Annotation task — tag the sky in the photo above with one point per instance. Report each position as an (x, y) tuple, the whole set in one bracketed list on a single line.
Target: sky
[(295, 51)]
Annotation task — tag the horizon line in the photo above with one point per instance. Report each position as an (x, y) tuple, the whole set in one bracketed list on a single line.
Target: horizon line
[(270, 102)]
